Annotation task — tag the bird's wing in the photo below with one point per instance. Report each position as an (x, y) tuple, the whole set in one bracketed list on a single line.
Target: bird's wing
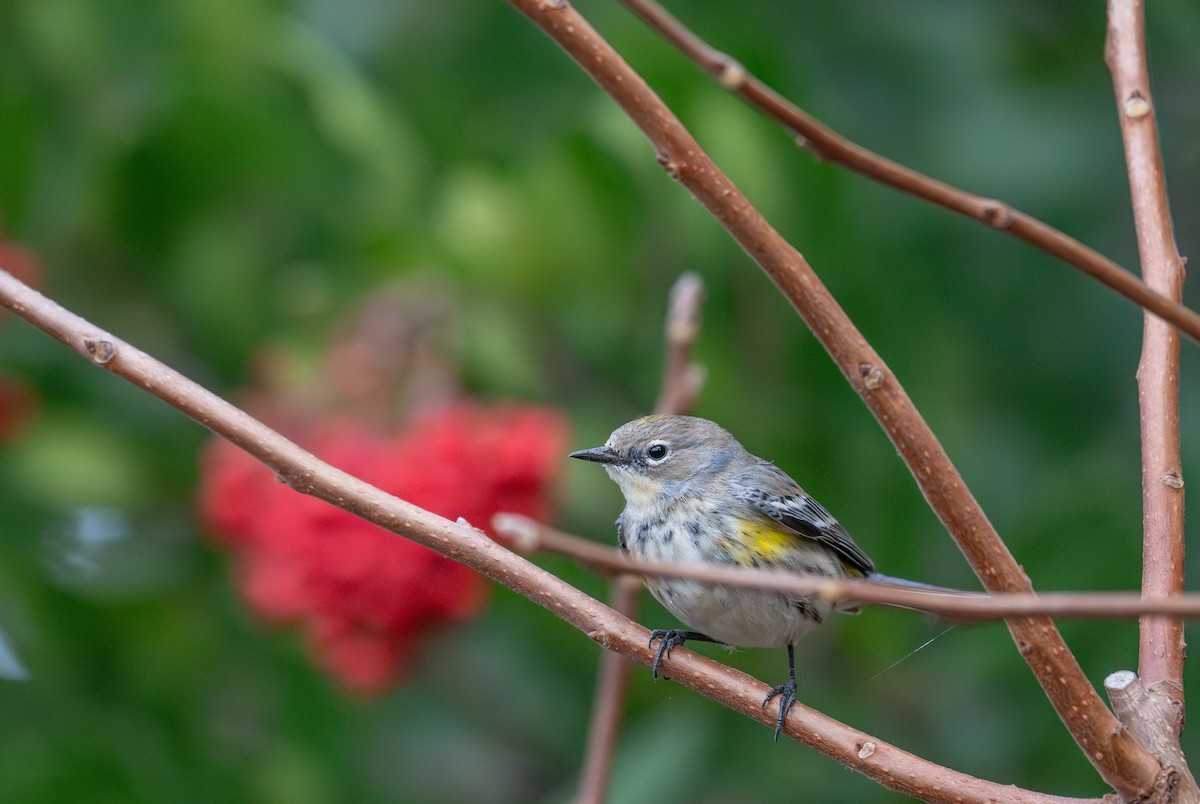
[(775, 495)]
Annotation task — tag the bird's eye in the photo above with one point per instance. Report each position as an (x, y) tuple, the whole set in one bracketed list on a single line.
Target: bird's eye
[(657, 452)]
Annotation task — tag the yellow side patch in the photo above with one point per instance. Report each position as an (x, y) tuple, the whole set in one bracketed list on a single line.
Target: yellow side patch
[(763, 541)]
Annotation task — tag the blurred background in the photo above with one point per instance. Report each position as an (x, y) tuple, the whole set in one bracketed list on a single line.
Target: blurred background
[(227, 184)]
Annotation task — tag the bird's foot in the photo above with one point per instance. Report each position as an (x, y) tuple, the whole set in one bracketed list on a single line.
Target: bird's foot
[(668, 638), (786, 692)]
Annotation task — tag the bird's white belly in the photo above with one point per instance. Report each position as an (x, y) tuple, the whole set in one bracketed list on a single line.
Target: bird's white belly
[(739, 617)]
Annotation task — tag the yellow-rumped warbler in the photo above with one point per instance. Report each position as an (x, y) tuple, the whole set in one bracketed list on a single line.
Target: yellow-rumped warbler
[(694, 494)]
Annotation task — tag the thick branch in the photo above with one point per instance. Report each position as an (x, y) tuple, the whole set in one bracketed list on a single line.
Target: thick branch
[(1162, 645), (1151, 717), (1152, 707), (827, 144), (1124, 764), (890, 766)]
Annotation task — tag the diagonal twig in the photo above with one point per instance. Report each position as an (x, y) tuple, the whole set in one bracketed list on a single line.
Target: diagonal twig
[(891, 766), (1120, 760), (827, 144)]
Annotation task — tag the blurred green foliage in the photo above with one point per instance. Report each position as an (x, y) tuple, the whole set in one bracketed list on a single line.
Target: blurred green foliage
[(203, 178)]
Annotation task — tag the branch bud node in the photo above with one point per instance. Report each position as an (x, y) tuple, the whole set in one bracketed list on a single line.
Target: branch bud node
[(731, 75), (101, 350), (1136, 105), (672, 167), (872, 376), (998, 214)]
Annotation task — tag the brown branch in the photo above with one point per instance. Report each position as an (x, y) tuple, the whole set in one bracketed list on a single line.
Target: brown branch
[(1152, 707), (1150, 718), (529, 537), (1161, 654), (682, 379), (608, 709), (890, 766), (681, 384), (1119, 759), (827, 144)]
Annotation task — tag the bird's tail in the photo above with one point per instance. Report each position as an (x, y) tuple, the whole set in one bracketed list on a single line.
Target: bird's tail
[(904, 583), (852, 606)]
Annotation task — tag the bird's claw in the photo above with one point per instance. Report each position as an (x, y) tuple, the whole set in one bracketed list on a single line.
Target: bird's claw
[(668, 638), (786, 692)]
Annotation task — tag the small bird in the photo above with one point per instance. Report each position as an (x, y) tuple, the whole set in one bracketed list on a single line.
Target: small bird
[(694, 494)]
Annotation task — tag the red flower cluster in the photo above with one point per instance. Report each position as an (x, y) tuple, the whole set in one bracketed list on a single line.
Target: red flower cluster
[(19, 406), (366, 597), (20, 262), (19, 401)]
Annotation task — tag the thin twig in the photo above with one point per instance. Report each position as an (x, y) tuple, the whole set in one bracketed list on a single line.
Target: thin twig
[(827, 144), (1119, 759), (681, 384), (682, 378), (529, 537), (608, 710), (890, 766)]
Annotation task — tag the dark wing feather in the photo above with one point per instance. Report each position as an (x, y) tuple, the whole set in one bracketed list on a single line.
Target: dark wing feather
[(769, 490)]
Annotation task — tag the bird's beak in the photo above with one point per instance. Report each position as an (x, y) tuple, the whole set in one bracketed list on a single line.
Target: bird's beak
[(605, 454)]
